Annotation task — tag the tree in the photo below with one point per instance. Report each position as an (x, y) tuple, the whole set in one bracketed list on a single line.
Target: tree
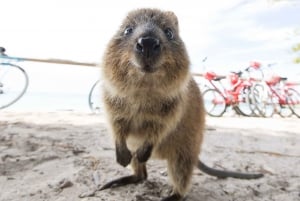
[(296, 49)]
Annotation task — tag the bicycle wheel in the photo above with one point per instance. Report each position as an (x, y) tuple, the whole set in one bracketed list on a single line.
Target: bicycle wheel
[(214, 103), (262, 100), (283, 110), (13, 84), (253, 97), (243, 106), (94, 98), (294, 101)]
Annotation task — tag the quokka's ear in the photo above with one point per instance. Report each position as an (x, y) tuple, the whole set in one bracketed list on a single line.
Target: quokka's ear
[(173, 17)]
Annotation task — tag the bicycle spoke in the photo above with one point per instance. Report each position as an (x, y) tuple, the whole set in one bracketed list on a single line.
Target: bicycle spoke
[(243, 103), (214, 103), (294, 101)]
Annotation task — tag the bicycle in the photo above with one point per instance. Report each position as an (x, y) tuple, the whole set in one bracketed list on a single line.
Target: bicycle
[(294, 96), (276, 95), (14, 80), (217, 99), (279, 97), (94, 98)]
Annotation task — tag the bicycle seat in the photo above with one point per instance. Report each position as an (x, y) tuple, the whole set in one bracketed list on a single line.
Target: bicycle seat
[(273, 80), (210, 75), (2, 50), (283, 78), (218, 78)]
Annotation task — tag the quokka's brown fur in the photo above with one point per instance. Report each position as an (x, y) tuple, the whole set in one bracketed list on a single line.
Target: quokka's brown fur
[(154, 106)]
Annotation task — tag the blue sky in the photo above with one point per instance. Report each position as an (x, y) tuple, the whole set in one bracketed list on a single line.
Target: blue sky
[(230, 33)]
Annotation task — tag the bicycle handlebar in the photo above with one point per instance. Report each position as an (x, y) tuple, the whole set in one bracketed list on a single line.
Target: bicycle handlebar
[(239, 73), (271, 64)]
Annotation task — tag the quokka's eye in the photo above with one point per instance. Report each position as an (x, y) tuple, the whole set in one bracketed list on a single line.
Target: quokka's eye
[(169, 33), (128, 31)]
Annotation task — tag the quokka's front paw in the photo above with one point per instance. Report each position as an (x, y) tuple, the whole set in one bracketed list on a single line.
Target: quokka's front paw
[(143, 153), (123, 156)]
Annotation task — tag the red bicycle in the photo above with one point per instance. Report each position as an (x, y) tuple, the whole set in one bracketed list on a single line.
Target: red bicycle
[(217, 99), (279, 97)]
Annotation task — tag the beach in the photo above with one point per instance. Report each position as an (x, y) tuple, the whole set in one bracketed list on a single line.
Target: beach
[(67, 155)]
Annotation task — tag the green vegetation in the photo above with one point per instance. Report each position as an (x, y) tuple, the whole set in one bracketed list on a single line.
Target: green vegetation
[(296, 49)]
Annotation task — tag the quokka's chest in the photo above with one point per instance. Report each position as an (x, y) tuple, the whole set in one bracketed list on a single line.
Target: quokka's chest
[(144, 107)]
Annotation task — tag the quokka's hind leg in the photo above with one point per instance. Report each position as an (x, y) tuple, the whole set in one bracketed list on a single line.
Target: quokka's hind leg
[(180, 170), (139, 174)]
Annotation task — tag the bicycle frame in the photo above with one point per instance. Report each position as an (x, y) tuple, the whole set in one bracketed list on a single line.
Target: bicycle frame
[(231, 96), (291, 85), (280, 94)]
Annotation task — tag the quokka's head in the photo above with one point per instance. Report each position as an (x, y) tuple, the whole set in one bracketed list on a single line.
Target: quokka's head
[(147, 43)]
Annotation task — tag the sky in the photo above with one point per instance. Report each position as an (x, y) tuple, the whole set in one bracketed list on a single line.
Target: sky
[(229, 33)]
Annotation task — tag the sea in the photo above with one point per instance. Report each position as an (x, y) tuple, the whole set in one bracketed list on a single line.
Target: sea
[(56, 87)]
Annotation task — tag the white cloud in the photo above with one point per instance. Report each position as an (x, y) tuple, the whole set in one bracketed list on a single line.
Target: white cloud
[(263, 34), (80, 29)]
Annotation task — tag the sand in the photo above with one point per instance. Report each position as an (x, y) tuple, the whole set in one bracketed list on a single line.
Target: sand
[(66, 156)]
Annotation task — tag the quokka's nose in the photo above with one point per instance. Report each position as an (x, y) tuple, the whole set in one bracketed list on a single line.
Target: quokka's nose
[(148, 46)]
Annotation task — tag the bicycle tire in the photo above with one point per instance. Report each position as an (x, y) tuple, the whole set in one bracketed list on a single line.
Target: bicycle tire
[(20, 93), (255, 98), (282, 110), (294, 101), (261, 97), (243, 106), (95, 108), (214, 103)]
